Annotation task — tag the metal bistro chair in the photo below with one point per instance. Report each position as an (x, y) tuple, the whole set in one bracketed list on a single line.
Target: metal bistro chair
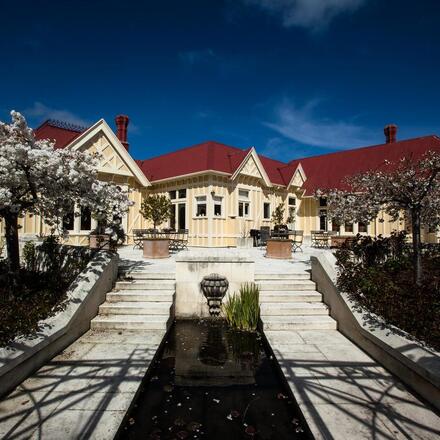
[(182, 239), (320, 239), (138, 236), (297, 240), (264, 236)]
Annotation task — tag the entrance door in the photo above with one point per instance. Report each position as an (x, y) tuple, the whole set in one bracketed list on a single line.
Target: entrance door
[(181, 209)]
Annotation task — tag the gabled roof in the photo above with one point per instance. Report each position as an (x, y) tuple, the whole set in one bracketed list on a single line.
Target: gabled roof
[(328, 171), (207, 156), (63, 133)]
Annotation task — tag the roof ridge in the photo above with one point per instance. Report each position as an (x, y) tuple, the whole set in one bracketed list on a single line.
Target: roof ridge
[(363, 148), (65, 125)]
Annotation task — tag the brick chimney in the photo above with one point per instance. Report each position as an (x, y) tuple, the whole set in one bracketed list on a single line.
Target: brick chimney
[(390, 131), (121, 129)]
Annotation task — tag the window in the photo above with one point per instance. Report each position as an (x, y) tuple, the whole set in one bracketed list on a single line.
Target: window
[(323, 220), (335, 226), (172, 194), (201, 206), (69, 221), (86, 219), (291, 212), (322, 201), (243, 203), (266, 210), (348, 227), (362, 227), (218, 203), (182, 193)]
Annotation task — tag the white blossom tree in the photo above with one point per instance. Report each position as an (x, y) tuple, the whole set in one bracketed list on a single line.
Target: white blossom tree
[(407, 187), (38, 179)]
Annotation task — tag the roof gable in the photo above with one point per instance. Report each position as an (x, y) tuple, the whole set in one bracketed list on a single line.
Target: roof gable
[(252, 166), (115, 158)]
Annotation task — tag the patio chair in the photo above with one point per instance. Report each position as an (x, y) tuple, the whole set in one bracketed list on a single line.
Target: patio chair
[(138, 236), (320, 239), (182, 239), (264, 236), (297, 240)]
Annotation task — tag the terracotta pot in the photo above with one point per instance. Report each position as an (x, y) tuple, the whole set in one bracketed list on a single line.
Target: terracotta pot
[(279, 249), (156, 248), (101, 241)]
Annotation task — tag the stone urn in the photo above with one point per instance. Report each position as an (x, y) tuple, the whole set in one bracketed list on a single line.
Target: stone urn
[(156, 247), (99, 241), (281, 249), (214, 287)]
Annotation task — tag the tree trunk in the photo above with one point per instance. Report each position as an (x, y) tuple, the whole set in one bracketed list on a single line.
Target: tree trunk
[(417, 247)]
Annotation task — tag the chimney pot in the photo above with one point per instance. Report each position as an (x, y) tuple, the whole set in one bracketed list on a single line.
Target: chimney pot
[(121, 129), (390, 131)]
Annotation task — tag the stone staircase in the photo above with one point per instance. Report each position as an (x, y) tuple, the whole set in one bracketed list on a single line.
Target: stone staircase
[(141, 300), (290, 301)]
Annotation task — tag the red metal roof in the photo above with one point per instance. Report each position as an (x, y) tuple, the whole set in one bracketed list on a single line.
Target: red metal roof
[(328, 171), (325, 171), (61, 132)]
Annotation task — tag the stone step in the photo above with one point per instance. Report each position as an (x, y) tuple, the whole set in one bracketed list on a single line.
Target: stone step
[(269, 296), (127, 322), (142, 296), (284, 285), (293, 309), (282, 276), (146, 285), (144, 275), (135, 308), (312, 322)]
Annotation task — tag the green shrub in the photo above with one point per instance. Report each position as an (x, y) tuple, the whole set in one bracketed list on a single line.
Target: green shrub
[(242, 309), (377, 274)]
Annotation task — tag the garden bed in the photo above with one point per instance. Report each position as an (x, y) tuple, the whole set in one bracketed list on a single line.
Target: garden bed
[(44, 279)]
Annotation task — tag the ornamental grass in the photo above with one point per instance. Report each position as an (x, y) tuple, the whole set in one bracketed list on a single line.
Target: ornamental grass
[(242, 309)]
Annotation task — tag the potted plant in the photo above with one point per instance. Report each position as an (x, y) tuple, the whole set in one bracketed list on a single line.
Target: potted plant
[(156, 209), (279, 247)]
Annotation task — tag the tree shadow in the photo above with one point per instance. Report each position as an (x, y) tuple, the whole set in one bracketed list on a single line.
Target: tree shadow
[(74, 394)]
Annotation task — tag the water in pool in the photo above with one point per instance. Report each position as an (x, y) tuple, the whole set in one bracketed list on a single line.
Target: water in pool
[(211, 382)]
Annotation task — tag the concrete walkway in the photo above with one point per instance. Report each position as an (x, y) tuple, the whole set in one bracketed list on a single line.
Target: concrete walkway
[(344, 394), (84, 392)]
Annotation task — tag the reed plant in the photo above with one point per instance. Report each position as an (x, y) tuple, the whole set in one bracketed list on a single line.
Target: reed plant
[(242, 309)]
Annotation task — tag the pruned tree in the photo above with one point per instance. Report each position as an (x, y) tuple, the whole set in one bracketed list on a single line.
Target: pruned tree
[(406, 187), (156, 208), (278, 215), (38, 179)]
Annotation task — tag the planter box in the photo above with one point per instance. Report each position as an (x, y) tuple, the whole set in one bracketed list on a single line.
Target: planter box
[(156, 247), (279, 249), (246, 242), (101, 241)]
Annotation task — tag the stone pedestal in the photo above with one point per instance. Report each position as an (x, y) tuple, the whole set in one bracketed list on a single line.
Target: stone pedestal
[(279, 249), (156, 247), (236, 265)]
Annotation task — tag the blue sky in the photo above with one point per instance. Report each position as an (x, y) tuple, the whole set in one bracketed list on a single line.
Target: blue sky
[(290, 77)]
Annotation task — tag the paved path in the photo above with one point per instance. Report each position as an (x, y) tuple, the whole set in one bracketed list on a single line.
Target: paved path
[(84, 392), (344, 394)]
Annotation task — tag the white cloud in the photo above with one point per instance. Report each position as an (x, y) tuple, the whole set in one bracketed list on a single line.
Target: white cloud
[(43, 112), (311, 14), (301, 125), (192, 57)]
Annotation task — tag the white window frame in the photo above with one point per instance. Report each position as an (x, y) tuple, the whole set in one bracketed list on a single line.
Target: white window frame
[(270, 210), (218, 200), (201, 200), (245, 200), (292, 207)]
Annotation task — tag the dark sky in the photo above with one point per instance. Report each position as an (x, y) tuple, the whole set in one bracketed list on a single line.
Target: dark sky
[(290, 77)]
